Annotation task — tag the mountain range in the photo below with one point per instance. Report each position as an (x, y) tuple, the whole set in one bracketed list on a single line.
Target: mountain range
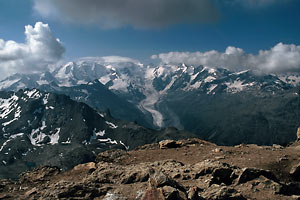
[(215, 104)]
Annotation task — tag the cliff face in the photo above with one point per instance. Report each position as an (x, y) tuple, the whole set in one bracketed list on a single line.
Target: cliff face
[(184, 169)]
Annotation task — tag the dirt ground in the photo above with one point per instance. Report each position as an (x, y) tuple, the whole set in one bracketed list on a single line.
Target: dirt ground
[(112, 182)]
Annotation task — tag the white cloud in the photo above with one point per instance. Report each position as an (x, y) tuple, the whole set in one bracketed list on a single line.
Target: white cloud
[(137, 13), (40, 49), (109, 59), (280, 58)]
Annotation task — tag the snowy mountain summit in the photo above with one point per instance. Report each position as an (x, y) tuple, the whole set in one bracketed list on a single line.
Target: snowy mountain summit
[(166, 95), (125, 74)]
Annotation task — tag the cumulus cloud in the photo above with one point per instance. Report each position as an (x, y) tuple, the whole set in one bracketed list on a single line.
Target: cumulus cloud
[(279, 59), (137, 13), (40, 49)]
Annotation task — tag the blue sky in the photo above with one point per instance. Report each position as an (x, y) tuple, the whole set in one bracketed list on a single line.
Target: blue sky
[(98, 28), (250, 27)]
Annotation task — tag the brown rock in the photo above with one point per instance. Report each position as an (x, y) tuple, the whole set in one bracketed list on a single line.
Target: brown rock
[(223, 175), (249, 174), (295, 172), (134, 177), (110, 155), (153, 194), (30, 192), (216, 192), (165, 144), (88, 167), (277, 146), (81, 189), (170, 193), (193, 193), (160, 179), (39, 174), (207, 167)]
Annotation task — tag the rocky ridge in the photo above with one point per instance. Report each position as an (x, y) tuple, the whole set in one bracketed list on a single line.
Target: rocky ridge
[(184, 169)]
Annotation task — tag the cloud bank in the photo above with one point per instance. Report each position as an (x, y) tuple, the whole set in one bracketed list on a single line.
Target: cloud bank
[(137, 13), (40, 49), (279, 59)]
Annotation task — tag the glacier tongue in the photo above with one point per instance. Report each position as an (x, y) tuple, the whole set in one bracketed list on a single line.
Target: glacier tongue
[(148, 104)]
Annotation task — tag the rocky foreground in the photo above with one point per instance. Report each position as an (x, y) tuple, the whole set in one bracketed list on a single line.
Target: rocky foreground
[(185, 169)]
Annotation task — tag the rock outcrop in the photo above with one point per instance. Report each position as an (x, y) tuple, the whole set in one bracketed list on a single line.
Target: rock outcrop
[(192, 171)]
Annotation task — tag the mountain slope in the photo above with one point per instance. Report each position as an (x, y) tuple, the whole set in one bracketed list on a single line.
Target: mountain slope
[(41, 128), (101, 98), (246, 117)]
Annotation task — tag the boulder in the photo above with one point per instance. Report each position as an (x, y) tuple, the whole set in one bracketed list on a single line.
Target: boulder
[(216, 192), (223, 175), (88, 167), (162, 187), (208, 166), (249, 174), (134, 177), (277, 146), (166, 144), (170, 193), (160, 179)]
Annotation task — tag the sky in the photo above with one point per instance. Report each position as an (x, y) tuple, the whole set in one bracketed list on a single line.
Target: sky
[(235, 34)]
